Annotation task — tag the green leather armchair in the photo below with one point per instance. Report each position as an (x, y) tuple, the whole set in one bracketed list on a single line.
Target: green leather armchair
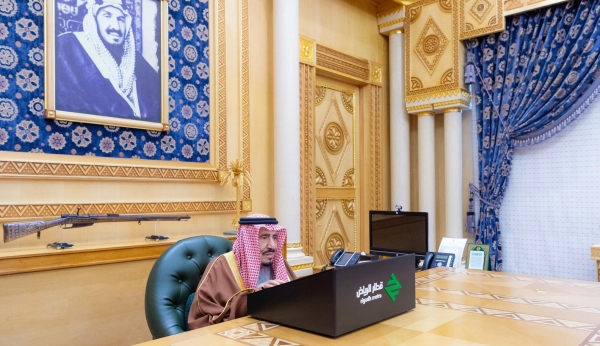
[(174, 277)]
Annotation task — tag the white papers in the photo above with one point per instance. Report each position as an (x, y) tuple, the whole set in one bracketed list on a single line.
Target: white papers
[(476, 259), (455, 246)]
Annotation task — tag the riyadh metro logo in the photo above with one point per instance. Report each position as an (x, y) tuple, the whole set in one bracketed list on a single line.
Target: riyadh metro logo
[(393, 287), (367, 293)]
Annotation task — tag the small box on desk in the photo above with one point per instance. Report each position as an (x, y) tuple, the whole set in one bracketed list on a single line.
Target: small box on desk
[(339, 301)]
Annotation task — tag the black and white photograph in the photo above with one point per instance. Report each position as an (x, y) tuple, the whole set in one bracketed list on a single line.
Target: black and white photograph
[(108, 59)]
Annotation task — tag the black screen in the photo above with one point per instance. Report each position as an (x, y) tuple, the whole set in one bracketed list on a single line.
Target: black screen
[(396, 233)]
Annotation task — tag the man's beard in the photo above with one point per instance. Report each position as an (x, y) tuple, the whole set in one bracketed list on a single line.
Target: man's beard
[(269, 261), (116, 50)]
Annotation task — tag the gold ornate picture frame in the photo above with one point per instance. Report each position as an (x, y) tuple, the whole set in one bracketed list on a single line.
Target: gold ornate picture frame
[(84, 83)]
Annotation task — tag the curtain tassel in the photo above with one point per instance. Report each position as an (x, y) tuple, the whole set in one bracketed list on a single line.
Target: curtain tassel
[(470, 69), (470, 225)]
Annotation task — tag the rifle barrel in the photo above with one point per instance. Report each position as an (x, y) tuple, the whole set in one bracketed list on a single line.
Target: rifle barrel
[(16, 230)]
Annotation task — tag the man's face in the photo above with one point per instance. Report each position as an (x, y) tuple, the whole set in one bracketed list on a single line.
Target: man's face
[(267, 241), (111, 25)]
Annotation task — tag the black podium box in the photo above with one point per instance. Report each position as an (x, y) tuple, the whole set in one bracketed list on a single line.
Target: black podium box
[(341, 300)]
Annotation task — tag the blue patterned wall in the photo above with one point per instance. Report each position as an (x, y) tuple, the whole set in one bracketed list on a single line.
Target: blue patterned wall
[(22, 124)]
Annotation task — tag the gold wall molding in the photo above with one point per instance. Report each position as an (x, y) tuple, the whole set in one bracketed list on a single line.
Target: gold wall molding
[(390, 12), (222, 81), (432, 47), (245, 94), (452, 102), (340, 62), (391, 22), (426, 114), (376, 143), (308, 91), (293, 245), (452, 110), (480, 17), (12, 211), (74, 170), (420, 107), (438, 95)]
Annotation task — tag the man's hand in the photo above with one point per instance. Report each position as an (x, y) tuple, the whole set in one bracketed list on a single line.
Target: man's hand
[(269, 284)]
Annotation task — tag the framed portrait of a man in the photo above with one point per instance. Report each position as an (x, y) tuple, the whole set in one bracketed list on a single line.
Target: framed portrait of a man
[(106, 62)]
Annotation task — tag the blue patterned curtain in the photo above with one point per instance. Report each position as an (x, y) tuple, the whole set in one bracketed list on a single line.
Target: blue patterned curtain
[(532, 80)]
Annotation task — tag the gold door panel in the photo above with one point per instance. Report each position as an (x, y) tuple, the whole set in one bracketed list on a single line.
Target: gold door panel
[(335, 151)]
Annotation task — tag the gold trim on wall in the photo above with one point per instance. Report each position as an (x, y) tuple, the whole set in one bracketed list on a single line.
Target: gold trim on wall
[(340, 62), (67, 170), (390, 12), (452, 110), (376, 157), (307, 172), (12, 211), (452, 102), (438, 95), (245, 94), (416, 108), (391, 22), (294, 245), (222, 91), (425, 114)]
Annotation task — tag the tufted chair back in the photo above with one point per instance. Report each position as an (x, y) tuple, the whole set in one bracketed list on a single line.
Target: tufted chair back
[(174, 277)]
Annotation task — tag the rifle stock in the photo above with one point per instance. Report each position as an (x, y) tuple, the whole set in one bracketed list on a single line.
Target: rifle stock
[(16, 230)]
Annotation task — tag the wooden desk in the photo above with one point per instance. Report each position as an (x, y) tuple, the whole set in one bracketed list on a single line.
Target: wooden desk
[(454, 307)]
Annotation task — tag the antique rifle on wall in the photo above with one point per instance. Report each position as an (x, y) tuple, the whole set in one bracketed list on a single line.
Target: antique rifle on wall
[(16, 230)]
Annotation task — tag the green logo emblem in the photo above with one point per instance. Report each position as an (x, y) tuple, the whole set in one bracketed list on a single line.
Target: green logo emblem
[(393, 287)]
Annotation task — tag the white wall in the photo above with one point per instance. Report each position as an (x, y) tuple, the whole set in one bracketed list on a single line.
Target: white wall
[(551, 212)]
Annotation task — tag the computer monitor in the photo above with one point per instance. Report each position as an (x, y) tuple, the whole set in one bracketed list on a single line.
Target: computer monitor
[(394, 233)]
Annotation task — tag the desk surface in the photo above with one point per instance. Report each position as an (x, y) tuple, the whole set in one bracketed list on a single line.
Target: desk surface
[(454, 307)]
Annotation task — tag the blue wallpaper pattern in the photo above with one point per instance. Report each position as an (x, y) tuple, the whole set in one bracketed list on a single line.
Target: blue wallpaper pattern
[(22, 124)]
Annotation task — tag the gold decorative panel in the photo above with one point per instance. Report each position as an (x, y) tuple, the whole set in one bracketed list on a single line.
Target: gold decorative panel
[(335, 193), (334, 134), (307, 51), (481, 17), (434, 55), (431, 45)]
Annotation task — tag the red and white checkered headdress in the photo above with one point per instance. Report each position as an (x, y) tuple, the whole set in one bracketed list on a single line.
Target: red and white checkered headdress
[(247, 251)]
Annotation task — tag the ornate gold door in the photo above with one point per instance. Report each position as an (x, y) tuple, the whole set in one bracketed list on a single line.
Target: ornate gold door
[(335, 163)]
